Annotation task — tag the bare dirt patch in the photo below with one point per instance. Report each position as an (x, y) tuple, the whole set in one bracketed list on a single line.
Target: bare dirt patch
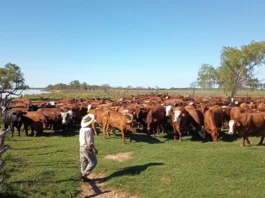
[(119, 156), (165, 179), (96, 188)]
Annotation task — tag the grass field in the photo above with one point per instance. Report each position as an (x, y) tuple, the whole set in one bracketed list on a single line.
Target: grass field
[(48, 166), (127, 93)]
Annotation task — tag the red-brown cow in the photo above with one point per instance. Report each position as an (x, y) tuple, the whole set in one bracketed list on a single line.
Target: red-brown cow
[(234, 113), (36, 121), (54, 116), (156, 119), (213, 121), (99, 115), (120, 121), (250, 123), (179, 119)]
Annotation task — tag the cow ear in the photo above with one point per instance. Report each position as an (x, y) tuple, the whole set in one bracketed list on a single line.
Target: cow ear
[(238, 124)]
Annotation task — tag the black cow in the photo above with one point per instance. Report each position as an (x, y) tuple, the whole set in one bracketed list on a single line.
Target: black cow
[(13, 119)]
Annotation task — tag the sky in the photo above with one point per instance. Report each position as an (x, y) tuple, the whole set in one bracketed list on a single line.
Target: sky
[(124, 42)]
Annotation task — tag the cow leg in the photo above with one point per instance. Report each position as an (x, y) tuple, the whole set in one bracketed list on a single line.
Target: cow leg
[(32, 129), (175, 132), (243, 141), (261, 141), (94, 128), (105, 128), (162, 129), (18, 129), (26, 129), (12, 129), (214, 135), (6, 126), (123, 137), (180, 136), (248, 142)]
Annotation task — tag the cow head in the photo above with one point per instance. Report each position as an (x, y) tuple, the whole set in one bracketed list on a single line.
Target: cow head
[(233, 126), (65, 118), (128, 113), (168, 110), (17, 116), (131, 126), (177, 116)]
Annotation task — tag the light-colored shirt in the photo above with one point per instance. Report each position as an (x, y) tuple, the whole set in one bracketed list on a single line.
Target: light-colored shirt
[(86, 136)]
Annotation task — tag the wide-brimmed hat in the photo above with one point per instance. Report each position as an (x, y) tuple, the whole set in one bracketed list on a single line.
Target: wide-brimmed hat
[(87, 120)]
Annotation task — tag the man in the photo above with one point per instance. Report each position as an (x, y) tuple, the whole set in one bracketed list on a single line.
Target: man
[(88, 151)]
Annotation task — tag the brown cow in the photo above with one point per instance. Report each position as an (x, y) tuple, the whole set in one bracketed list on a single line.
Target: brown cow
[(250, 123), (156, 119), (99, 115), (196, 119), (213, 121), (120, 121), (36, 121), (54, 116), (179, 119), (234, 113)]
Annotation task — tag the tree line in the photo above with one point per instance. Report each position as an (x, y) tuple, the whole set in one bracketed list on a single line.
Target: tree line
[(77, 85)]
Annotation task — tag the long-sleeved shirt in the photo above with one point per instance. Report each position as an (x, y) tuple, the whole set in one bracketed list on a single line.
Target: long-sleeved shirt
[(86, 137)]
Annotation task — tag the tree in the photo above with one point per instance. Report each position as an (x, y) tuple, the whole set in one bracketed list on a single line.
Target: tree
[(207, 76), (12, 82), (236, 69), (75, 84), (193, 85)]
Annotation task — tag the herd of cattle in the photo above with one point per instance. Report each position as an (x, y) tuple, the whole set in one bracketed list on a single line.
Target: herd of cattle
[(153, 113)]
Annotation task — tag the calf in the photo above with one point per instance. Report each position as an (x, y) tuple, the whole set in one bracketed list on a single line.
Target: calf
[(120, 121)]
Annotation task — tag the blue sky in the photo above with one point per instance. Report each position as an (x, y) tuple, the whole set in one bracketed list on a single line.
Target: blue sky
[(121, 42)]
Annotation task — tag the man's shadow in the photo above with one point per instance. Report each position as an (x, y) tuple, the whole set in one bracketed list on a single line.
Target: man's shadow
[(132, 170), (96, 189)]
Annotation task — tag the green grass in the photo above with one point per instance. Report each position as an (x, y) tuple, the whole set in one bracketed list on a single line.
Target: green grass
[(55, 95), (49, 167)]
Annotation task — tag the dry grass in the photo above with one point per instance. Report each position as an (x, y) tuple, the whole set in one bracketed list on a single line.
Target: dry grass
[(165, 179), (96, 188), (119, 156)]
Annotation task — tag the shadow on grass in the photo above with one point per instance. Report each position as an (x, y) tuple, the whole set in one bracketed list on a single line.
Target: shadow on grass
[(137, 137), (228, 138), (96, 190), (145, 138), (31, 148), (132, 170), (68, 133), (9, 194)]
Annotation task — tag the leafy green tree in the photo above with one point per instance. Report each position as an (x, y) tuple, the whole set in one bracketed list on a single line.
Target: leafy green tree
[(237, 68), (12, 82), (75, 84), (207, 76)]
